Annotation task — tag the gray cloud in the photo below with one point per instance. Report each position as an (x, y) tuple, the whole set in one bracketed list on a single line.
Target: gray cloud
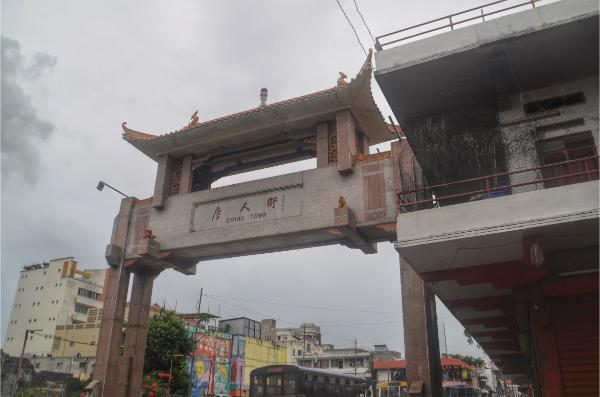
[(22, 128)]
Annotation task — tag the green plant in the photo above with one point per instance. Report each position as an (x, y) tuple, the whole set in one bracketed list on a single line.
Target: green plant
[(168, 344)]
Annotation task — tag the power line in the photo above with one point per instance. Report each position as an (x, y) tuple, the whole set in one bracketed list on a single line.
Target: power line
[(352, 26), (304, 306), (360, 324), (60, 339), (268, 315), (363, 19)]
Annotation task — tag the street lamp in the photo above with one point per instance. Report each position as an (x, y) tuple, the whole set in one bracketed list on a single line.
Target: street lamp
[(101, 185), (171, 369)]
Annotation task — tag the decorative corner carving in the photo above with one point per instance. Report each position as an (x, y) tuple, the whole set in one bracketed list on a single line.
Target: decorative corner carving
[(341, 81)]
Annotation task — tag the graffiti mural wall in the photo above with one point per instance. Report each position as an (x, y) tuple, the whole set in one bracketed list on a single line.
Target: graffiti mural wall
[(222, 363), (211, 363)]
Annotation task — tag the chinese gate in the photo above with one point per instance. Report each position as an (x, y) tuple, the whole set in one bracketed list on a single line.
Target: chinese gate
[(351, 198)]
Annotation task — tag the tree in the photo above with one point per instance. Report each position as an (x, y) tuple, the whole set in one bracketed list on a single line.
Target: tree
[(168, 340), (473, 361)]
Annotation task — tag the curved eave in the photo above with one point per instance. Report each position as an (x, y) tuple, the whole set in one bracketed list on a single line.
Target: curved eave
[(269, 122)]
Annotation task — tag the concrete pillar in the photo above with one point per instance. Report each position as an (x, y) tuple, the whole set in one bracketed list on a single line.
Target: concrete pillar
[(106, 369), (347, 141), (186, 175), (322, 145), (162, 186), (132, 362), (420, 332)]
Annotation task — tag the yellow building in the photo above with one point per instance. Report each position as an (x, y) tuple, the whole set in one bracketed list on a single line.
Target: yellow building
[(80, 340), (260, 353)]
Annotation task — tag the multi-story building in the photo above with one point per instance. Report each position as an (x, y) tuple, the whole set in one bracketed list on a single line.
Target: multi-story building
[(241, 326), (501, 112), (299, 341), (50, 294), (352, 361), (268, 329), (80, 340)]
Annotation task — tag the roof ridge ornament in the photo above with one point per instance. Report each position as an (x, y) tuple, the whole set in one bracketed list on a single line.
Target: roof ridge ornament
[(193, 120), (341, 81)]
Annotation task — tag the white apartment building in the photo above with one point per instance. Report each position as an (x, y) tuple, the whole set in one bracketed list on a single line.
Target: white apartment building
[(299, 342), (50, 294)]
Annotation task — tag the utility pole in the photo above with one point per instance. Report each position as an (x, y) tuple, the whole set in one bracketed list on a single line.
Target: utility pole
[(193, 363), (304, 340), (445, 342), (21, 357), (355, 342)]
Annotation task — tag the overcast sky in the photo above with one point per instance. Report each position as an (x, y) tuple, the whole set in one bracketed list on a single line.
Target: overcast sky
[(72, 71)]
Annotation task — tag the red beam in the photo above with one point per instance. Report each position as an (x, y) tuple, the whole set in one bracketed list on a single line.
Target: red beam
[(504, 303), (490, 322), (502, 345), (500, 275), (572, 285), (495, 335)]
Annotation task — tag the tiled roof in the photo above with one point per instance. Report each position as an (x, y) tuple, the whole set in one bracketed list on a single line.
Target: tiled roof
[(397, 364), (133, 136)]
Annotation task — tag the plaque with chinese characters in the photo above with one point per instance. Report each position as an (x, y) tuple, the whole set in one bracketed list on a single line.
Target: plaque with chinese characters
[(252, 208)]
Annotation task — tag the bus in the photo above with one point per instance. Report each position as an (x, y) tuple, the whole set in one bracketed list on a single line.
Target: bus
[(291, 380)]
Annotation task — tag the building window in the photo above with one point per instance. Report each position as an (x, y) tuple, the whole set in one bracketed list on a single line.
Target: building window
[(82, 309), (87, 293), (545, 105), (340, 364), (37, 365), (568, 148)]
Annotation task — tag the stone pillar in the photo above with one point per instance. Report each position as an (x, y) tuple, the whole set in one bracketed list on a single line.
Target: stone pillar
[(347, 141), (106, 369), (322, 145), (420, 332), (162, 185), (132, 362)]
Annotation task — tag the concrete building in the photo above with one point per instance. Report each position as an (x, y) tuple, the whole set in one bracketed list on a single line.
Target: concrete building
[(241, 326), (299, 341), (502, 116), (50, 294), (349, 361), (268, 330), (80, 340)]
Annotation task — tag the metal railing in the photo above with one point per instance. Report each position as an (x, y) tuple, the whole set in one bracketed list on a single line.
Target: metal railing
[(589, 173), (451, 21)]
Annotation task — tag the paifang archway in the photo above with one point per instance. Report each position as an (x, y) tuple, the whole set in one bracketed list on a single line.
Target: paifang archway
[(351, 198)]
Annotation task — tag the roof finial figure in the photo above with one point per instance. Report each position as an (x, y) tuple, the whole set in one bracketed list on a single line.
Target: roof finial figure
[(264, 93), (194, 120), (341, 81)]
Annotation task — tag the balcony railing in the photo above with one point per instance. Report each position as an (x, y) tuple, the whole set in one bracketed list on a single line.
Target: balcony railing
[(450, 22), (572, 171)]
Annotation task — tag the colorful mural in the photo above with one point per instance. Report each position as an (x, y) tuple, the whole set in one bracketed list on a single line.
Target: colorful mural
[(211, 363), (222, 362)]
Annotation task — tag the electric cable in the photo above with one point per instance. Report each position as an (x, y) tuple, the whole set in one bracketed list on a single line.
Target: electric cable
[(365, 22), (352, 26)]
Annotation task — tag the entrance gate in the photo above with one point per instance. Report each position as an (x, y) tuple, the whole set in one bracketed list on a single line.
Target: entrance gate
[(351, 198)]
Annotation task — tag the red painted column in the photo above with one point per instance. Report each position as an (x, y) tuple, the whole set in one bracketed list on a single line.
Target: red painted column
[(106, 369), (545, 344), (420, 332), (132, 363)]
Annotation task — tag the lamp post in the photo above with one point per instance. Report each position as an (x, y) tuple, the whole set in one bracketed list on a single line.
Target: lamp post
[(101, 185), (21, 357), (171, 369)]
